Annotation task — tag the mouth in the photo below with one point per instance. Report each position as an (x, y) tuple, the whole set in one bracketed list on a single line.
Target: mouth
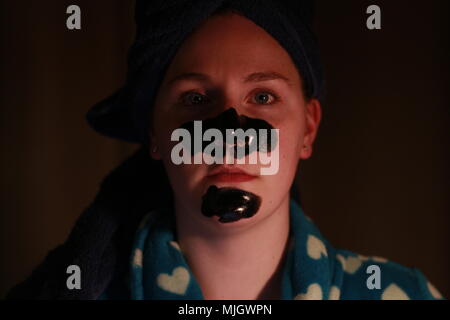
[(229, 174)]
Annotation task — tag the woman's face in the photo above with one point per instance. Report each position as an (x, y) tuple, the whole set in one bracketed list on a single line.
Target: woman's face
[(209, 74)]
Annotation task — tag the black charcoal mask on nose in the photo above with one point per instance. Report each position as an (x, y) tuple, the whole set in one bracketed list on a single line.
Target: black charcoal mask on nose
[(232, 204), (230, 120)]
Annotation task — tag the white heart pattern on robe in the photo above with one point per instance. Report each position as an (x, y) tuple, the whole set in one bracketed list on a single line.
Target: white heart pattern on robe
[(315, 248), (350, 264), (314, 292), (393, 292), (176, 283)]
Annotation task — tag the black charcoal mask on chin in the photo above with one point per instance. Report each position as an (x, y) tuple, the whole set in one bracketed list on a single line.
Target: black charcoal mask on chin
[(228, 203)]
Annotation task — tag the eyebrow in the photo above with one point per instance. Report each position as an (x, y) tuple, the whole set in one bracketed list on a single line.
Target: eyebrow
[(253, 77)]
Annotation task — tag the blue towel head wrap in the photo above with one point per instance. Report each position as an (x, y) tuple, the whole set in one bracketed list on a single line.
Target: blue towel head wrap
[(161, 28)]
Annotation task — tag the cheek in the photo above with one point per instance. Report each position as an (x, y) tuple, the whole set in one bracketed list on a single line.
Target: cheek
[(291, 137), (289, 156), (162, 131), (186, 181)]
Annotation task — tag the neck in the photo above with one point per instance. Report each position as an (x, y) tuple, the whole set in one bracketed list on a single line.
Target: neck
[(235, 262)]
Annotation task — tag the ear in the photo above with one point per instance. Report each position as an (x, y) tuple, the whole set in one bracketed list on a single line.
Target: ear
[(154, 149), (313, 116)]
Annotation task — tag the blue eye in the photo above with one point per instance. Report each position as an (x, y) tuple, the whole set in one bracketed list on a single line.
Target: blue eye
[(263, 97), (193, 98)]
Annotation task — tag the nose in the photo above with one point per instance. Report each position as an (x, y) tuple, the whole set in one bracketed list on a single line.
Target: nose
[(230, 118), (232, 110), (228, 98)]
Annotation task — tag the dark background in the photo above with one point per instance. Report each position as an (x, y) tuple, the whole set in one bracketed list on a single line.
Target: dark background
[(378, 183)]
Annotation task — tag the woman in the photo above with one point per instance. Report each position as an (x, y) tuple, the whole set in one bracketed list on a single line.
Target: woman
[(250, 64)]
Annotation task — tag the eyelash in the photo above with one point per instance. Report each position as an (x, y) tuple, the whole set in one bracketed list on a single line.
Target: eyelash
[(276, 98)]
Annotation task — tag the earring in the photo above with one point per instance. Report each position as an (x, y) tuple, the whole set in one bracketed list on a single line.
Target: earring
[(154, 149)]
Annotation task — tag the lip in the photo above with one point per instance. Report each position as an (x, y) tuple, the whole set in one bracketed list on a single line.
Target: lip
[(229, 174)]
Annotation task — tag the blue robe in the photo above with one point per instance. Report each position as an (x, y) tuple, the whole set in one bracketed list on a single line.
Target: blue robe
[(313, 268)]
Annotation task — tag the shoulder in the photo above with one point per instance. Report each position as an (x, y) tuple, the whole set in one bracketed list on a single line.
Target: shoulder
[(377, 278)]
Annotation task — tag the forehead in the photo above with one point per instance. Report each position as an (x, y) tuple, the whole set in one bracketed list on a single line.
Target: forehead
[(230, 44)]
